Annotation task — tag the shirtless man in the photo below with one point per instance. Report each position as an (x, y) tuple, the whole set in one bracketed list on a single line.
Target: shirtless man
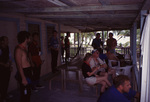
[(111, 43), (23, 65), (112, 56)]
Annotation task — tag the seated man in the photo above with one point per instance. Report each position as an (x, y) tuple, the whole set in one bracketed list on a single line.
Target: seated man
[(112, 56), (132, 94), (116, 92), (119, 57), (96, 61), (90, 76)]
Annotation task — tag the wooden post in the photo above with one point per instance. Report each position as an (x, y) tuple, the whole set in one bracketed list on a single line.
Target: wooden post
[(80, 80), (63, 78)]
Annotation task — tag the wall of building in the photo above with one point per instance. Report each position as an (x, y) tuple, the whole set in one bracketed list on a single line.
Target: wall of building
[(11, 24)]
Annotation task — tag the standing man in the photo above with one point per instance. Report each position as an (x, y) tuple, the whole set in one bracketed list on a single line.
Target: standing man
[(36, 59), (97, 43), (23, 65), (5, 67), (111, 43), (67, 46), (54, 46), (116, 93)]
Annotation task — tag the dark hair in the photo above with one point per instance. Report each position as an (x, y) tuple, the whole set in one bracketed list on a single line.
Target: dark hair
[(22, 36), (97, 34), (87, 56), (110, 33), (120, 79)]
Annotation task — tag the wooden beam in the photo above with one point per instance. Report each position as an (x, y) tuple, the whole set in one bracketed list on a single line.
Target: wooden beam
[(105, 16), (73, 9)]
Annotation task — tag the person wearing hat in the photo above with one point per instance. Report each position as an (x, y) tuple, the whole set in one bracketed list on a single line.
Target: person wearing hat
[(97, 62)]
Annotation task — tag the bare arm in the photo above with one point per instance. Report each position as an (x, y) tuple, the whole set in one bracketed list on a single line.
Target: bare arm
[(137, 95), (108, 43), (93, 71), (103, 66), (18, 58), (115, 42), (115, 58)]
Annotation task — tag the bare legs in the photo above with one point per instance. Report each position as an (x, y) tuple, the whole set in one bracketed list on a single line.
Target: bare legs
[(103, 87), (112, 72), (103, 80)]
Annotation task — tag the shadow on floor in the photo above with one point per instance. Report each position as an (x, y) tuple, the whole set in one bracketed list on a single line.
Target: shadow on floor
[(56, 94)]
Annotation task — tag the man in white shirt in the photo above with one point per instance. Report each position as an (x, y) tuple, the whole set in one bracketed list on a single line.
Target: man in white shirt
[(97, 62)]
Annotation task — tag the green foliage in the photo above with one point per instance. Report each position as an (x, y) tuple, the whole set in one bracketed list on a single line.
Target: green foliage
[(62, 34), (119, 33), (138, 37), (87, 35), (122, 32), (126, 44)]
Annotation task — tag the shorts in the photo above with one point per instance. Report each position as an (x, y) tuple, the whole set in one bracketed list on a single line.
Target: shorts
[(91, 80), (113, 51)]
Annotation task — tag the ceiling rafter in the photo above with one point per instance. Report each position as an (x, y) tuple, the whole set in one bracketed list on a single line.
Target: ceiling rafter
[(74, 9), (105, 16), (91, 15)]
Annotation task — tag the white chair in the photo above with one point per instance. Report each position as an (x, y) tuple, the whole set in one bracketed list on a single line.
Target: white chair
[(120, 70), (127, 57), (110, 63)]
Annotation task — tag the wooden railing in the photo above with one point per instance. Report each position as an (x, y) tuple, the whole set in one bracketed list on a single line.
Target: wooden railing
[(88, 49), (123, 50), (82, 52)]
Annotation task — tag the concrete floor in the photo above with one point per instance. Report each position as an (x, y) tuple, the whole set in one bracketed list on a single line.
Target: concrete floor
[(56, 94)]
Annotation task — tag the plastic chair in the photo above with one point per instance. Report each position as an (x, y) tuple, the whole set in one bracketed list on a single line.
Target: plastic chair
[(120, 70)]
